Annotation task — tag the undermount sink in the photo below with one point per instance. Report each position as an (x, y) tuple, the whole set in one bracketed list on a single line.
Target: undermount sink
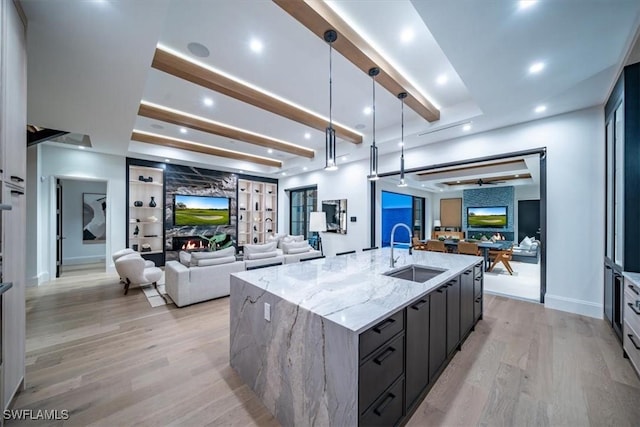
[(415, 273)]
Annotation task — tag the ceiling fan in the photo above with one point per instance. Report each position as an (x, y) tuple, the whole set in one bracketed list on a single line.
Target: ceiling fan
[(480, 182)]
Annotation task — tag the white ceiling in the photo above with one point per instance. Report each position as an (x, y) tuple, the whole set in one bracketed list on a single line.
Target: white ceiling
[(89, 68)]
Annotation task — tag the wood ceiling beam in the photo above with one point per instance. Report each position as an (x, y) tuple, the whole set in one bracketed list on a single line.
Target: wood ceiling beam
[(318, 17), (205, 77), (202, 148), (208, 126)]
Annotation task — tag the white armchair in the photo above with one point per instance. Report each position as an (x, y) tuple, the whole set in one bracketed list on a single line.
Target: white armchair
[(132, 270), (128, 251)]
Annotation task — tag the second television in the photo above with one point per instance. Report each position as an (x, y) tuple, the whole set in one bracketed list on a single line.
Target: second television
[(487, 217), (200, 210)]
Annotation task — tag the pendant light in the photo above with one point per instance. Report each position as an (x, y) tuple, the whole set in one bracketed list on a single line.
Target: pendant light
[(373, 154), (402, 182), (330, 134)]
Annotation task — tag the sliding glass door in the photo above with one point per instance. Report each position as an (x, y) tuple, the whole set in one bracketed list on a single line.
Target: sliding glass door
[(405, 209), (303, 201)]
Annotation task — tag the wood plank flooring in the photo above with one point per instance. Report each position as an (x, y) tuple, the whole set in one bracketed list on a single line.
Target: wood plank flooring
[(113, 360)]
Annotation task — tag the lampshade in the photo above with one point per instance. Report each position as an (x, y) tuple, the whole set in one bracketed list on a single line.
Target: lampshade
[(436, 223), (318, 221)]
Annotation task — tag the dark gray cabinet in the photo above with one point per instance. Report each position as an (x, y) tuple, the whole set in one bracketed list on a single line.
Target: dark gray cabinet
[(453, 315), (437, 331), (466, 302), (417, 368), (608, 292)]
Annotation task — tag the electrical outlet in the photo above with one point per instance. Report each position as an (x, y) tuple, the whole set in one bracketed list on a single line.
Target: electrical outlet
[(267, 312)]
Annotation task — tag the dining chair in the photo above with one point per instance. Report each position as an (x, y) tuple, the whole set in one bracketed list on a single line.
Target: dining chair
[(346, 253), (467, 248), (436, 246), (369, 249), (418, 245), (504, 257)]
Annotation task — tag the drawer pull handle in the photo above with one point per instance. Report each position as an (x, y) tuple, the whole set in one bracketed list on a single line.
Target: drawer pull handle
[(633, 342), (478, 299), (607, 267), (468, 272), (634, 290), (633, 308), (419, 304), (380, 327), (388, 352), (17, 193), (441, 290), (382, 406), (16, 178)]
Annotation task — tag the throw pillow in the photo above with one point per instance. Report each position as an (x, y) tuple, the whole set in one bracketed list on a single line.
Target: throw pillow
[(254, 249), (216, 261), (526, 243), (293, 251), (260, 255), (286, 247), (185, 258)]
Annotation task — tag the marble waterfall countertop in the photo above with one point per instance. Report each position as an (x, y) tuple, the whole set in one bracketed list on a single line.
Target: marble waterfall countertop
[(634, 277), (350, 290)]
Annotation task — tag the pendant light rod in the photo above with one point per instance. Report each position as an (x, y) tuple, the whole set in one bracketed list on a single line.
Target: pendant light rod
[(402, 96), (373, 154), (330, 36)]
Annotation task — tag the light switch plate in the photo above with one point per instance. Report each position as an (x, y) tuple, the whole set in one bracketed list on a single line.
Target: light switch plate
[(267, 312)]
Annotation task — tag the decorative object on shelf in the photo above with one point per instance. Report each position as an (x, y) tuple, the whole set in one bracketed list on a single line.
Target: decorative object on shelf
[(133, 220), (402, 183), (257, 190), (257, 208), (136, 231), (94, 220), (318, 223), (242, 189), (240, 217), (330, 36), (137, 219), (146, 247), (269, 210), (134, 247), (138, 204), (255, 228), (373, 150), (150, 235), (141, 178), (152, 203), (255, 240), (269, 191), (152, 219)]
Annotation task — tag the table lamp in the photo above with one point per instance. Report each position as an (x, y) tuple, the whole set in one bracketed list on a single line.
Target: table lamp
[(436, 223), (318, 223)]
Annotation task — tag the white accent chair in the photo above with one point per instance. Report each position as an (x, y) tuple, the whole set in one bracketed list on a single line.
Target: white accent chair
[(201, 276), (132, 269), (128, 251)]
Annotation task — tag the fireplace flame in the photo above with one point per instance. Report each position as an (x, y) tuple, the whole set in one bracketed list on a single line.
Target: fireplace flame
[(194, 244)]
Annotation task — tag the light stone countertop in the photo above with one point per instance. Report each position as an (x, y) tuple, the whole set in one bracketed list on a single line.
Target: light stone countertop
[(350, 290), (634, 277)]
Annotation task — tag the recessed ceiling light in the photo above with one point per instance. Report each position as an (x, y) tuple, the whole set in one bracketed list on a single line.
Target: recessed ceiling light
[(82, 147), (304, 168), (367, 110), (466, 128), (256, 45), (541, 109), (407, 35), (183, 130), (442, 79), (536, 67), (167, 160), (270, 150), (344, 158), (457, 182), (525, 4), (241, 171), (208, 102), (307, 135), (284, 174), (198, 49), (516, 175)]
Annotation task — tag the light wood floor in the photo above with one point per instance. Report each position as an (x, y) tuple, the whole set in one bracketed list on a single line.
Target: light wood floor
[(113, 360)]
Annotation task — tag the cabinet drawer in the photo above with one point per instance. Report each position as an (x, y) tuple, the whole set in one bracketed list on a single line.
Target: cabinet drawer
[(632, 315), (380, 371), (631, 291), (477, 307), (477, 270), (477, 286), (377, 335), (631, 344), (387, 410)]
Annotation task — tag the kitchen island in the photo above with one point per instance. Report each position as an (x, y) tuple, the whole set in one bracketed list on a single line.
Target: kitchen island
[(337, 342)]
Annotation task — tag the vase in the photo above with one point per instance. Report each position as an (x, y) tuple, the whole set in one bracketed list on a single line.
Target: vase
[(152, 203), (257, 206)]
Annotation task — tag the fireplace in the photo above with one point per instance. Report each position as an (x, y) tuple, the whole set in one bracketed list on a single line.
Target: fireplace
[(190, 243)]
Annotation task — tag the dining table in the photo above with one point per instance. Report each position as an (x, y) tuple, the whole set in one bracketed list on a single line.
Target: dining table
[(500, 245)]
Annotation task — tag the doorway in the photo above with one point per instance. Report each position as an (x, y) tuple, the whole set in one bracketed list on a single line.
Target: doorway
[(80, 226), (303, 202)]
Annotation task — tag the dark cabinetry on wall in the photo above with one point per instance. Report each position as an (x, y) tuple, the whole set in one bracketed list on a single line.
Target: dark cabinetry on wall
[(402, 356), (622, 200)]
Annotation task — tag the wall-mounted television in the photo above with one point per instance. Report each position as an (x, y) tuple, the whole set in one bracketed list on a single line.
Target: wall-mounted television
[(200, 210), (487, 217)]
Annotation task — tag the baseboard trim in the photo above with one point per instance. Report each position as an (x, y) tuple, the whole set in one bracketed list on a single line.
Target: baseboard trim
[(571, 305), (83, 260)]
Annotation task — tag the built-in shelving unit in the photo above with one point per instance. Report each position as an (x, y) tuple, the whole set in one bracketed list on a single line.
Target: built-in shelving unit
[(145, 210), (257, 211)]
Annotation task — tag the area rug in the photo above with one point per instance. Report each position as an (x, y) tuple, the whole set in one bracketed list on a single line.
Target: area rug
[(157, 297)]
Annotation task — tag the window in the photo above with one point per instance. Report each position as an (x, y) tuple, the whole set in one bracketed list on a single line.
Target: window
[(405, 209), (303, 201)]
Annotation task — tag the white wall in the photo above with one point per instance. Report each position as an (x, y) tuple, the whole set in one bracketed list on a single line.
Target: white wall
[(56, 162), (74, 251), (575, 194)]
